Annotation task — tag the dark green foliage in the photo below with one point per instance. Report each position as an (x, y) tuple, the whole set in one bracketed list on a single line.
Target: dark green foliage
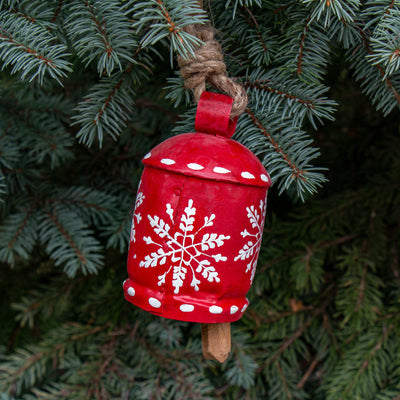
[(305, 47), (108, 104), (100, 32), (166, 20), (88, 87), (28, 45)]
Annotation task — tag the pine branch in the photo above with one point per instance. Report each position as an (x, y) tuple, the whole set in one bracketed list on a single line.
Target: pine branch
[(242, 3), (7, 3), (290, 98), (93, 206), (302, 327), (24, 368), (284, 151), (45, 138), (297, 253), (346, 34), (118, 231), (253, 41), (9, 150), (57, 11), (39, 129), (282, 382), (18, 234), (242, 372), (105, 108), (30, 49), (383, 91), (167, 19), (176, 91), (35, 11), (99, 31), (53, 391), (48, 301), (21, 176), (359, 299), (261, 43), (261, 47), (384, 45), (305, 48), (364, 376), (296, 171), (308, 373), (102, 370), (69, 242), (34, 102), (55, 146), (326, 9), (376, 12)]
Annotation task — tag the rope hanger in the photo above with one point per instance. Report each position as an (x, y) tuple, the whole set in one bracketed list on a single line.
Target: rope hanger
[(207, 66)]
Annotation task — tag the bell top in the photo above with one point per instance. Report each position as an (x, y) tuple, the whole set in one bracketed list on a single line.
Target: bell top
[(209, 157), (209, 153)]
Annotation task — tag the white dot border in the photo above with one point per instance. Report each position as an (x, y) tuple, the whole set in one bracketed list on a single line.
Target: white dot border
[(195, 166), (264, 178), (154, 302), (221, 170), (167, 161)]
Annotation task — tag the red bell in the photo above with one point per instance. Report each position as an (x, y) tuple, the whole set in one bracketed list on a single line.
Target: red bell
[(198, 221)]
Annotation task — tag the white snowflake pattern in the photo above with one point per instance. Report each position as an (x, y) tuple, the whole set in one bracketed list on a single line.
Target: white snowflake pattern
[(139, 200), (252, 247), (184, 250)]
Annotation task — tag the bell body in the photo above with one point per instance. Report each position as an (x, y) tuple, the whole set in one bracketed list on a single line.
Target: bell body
[(197, 228)]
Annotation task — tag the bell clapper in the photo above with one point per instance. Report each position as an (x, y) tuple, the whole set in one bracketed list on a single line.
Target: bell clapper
[(216, 341)]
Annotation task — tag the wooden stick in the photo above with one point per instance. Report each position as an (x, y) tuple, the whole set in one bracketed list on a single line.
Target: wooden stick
[(216, 341)]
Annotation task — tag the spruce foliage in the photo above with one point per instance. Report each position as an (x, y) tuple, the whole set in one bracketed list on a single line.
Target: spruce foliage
[(88, 87)]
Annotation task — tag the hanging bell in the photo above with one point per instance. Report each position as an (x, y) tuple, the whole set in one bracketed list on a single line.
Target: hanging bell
[(198, 222)]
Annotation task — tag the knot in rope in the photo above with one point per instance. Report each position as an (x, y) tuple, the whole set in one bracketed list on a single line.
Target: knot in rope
[(207, 66)]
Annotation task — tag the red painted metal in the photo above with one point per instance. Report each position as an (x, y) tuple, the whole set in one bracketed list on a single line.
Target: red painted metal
[(198, 222)]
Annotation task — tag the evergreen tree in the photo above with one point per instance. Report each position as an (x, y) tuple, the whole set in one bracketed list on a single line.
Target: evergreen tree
[(89, 86)]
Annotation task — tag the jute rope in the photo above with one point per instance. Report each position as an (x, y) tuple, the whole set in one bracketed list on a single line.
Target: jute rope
[(207, 66)]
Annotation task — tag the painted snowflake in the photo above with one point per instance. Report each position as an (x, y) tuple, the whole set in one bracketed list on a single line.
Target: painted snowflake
[(251, 248), (139, 200), (185, 250)]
